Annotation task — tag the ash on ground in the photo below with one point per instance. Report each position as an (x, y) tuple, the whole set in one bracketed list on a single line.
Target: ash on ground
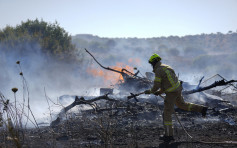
[(136, 124)]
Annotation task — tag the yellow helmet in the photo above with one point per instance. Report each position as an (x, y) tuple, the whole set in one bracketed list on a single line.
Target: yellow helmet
[(154, 57)]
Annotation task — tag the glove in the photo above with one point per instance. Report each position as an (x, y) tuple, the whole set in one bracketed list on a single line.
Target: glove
[(147, 92)]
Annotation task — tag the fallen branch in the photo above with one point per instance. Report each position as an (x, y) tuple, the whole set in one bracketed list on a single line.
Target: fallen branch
[(108, 68), (79, 101), (220, 77), (215, 84)]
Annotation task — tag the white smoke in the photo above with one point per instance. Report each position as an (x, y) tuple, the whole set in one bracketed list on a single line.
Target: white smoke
[(59, 78), (41, 73)]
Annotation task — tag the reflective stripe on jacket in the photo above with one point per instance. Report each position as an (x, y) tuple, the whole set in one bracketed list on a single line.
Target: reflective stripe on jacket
[(165, 79)]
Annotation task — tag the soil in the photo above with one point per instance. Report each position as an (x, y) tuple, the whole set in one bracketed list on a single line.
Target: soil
[(128, 131), (131, 127)]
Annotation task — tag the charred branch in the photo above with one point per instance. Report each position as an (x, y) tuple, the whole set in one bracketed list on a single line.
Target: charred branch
[(126, 106), (79, 101), (221, 78), (108, 68), (215, 84)]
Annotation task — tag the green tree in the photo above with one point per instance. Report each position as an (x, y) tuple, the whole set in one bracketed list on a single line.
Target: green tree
[(53, 40)]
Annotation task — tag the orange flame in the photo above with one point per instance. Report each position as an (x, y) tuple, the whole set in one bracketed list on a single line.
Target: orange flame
[(110, 77)]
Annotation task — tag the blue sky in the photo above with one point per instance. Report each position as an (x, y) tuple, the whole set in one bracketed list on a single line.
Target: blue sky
[(126, 18)]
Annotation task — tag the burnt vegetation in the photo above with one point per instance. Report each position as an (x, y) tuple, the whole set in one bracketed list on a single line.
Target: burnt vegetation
[(126, 119)]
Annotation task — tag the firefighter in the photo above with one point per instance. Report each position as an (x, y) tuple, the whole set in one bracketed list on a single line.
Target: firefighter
[(167, 82)]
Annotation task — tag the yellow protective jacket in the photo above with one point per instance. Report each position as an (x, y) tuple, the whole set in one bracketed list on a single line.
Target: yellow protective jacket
[(165, 79)]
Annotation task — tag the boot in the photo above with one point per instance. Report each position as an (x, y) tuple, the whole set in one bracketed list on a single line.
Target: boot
[(204, 111), (166, 138)]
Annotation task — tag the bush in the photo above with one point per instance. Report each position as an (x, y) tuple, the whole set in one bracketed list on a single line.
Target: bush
[(54, 41)]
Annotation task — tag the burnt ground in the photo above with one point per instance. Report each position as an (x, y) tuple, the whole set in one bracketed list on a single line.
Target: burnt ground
[(135, 125), (130, 130)]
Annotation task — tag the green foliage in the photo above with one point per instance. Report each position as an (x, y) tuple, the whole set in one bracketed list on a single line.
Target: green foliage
[(191, 45), (53, 40)]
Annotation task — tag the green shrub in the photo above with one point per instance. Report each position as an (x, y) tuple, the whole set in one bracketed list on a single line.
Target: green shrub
[(54, 41)]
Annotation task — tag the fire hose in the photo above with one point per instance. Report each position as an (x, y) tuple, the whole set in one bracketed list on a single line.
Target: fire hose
[(176, 116)]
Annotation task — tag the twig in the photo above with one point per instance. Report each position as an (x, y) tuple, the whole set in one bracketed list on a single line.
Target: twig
[(28, 94), (46, 97)]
